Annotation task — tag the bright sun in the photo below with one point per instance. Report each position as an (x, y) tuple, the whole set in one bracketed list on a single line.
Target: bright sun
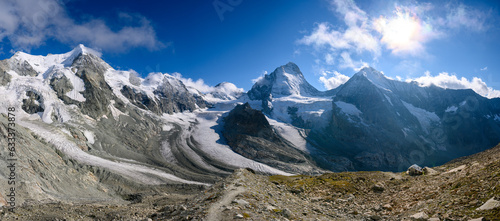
[(400, 33)]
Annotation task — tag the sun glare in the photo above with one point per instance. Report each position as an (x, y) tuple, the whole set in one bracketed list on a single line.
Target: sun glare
[(401, 32)]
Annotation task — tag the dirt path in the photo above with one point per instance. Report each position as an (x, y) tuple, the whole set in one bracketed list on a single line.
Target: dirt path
[(215, 210)]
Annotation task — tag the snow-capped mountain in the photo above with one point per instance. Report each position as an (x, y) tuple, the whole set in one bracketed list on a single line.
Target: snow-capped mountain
[(126, 129), (286, 80), (373, 122), (131, 130)]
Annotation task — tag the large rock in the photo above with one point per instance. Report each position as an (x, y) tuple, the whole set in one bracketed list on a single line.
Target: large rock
[(33, 104), (490, 204), (421, 216), (430, 171), (5, 77), (248, 133)]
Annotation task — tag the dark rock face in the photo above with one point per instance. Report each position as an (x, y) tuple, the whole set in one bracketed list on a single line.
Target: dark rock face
[(139, 99), (173, 99), (62, 85), (5, 78), (248, 133), (33, 104), (98, 94), (168, 99), (23, 68), (401, 123)]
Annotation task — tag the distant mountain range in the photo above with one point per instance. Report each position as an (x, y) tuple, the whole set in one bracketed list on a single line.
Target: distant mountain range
[(133, 131)]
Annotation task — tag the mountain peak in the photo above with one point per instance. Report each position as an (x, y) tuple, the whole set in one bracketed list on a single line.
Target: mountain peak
[(289, 68), (82, 50), (366, 71), (285, 80), (374, 76)]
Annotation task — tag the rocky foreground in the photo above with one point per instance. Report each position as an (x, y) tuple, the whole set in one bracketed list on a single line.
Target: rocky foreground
[(464, 189)]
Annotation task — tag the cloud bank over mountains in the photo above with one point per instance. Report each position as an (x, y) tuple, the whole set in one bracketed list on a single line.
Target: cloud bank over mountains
[(27, 24)]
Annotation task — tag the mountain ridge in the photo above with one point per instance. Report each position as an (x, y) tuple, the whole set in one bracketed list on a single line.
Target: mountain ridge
[(160, 130)]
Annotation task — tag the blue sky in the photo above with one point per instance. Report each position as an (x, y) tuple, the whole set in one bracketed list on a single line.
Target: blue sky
[(452, 43)]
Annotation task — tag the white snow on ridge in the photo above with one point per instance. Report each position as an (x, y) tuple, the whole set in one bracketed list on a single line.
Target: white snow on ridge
[(347, 108), (291, 134), (451, 109), (388, 99), (425, 118), (377, 78), (311, 109), (78, 86)]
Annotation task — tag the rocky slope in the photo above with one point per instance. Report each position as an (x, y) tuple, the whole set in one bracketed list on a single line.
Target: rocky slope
[(464, 189), (248, 133)]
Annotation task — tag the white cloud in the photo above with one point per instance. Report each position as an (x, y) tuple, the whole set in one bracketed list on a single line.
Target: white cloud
[(28, 24), (484, 69), (199, 85), (445, 80), (357, 37), (347, 62), (334, 81), (465, 16), (260, 77), (322, 36), (329, 59), (405, 32)]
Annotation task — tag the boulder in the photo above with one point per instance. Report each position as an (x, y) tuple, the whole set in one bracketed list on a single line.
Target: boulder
[(430, 171), (378, 188), (490, 204), (421, 216)]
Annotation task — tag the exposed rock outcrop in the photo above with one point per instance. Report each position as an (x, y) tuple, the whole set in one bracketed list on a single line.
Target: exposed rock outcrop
[(33, 104), (248, 133), (5, 77)]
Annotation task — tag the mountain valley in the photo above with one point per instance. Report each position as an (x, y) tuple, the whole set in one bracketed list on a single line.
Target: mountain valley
[(96, 143)]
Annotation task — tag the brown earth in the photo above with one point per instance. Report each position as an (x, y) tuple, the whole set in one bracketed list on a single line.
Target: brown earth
[(453, 191)]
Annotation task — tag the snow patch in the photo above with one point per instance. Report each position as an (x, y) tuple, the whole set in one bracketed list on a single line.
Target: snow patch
[(347, 108), (295, 135), (167, 127), (78, 86), (451, 109), (388, 99), (424, 117), (90, 136)]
